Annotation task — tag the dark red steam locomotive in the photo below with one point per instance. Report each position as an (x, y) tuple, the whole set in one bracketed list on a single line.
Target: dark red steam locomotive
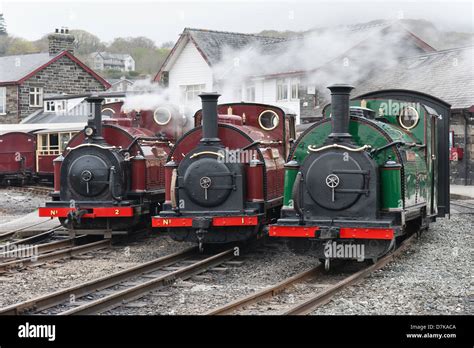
[(111, 175), (224, 179)]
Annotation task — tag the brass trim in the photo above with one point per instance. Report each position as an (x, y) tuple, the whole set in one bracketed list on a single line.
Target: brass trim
[(337, 146), (207, 153), (169, 116), (268, 128)]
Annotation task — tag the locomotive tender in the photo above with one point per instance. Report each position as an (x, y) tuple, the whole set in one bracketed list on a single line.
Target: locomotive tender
[(111, 176), (224, 179), (364, 181)]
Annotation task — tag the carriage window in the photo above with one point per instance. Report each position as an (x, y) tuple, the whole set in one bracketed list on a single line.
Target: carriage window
[(268, 120), (162, 116), (408, 118), (44, 142)]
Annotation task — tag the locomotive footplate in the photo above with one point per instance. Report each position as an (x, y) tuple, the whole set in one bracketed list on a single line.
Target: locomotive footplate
[(343, 229)]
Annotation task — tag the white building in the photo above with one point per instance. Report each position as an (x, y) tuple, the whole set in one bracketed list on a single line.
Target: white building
[(113, 61), (190, 68)]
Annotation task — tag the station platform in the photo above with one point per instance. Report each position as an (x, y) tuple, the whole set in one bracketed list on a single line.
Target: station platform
[(462, 192), (25, 224)]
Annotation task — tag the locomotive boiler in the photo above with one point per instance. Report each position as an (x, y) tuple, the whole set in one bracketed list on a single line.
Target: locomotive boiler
[(224, 178), (360, 180)]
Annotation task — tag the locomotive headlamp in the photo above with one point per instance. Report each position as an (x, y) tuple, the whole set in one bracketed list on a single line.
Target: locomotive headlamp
[(89, 131)]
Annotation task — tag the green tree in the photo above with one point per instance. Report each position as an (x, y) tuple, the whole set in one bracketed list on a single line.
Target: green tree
[(20, 46), (3, 26)]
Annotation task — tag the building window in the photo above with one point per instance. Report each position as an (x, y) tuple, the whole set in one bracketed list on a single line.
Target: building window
[(3, 100), (282, 89), (36, 96), (50, 106), (250, 93), (190, 93), (294, 88)]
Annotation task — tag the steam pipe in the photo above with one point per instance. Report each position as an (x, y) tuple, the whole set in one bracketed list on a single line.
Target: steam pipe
[(94, 119), (340, 96), (209, 118)]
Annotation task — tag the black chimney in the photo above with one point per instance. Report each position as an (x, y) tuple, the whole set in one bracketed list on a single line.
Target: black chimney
[(209, 118), (340, 96), (93, 129)]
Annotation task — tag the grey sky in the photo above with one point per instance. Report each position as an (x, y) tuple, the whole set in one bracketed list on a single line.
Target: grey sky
[(163, 21)]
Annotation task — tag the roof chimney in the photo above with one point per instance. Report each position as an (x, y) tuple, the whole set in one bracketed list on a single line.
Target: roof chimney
[(60, 41)]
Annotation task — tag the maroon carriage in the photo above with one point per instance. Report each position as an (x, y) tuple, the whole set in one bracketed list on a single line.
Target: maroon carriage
[(17, 158)]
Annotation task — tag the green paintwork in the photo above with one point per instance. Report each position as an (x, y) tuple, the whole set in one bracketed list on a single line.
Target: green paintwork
[(391, 195), (417, 170), (290, 176)]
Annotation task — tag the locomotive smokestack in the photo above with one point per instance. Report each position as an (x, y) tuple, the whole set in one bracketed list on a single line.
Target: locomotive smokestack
[(94, 123), (209, 117), (340, 95)]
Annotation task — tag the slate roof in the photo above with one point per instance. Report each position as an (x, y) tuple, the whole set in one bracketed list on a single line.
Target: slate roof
[(327, 44), (448, 75), (44, 117), (118, 56), (14, 68), (212, 42)]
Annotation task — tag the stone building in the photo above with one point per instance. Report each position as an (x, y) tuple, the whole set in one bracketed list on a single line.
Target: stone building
[(25, 79)]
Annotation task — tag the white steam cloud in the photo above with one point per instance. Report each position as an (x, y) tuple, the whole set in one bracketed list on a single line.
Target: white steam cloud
[(320, 58)]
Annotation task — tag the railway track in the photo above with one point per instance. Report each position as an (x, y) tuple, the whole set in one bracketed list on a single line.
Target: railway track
[(38, 190), (112, 291), (46, 252), (11, 234), (314, 300), (462, 207)]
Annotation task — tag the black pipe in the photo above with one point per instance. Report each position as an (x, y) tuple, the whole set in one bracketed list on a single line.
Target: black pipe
[(209, 118), (94, 119), (340, 97)]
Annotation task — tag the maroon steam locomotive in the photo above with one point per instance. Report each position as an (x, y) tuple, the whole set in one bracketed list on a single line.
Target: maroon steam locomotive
[(111, 175), (223, 180)]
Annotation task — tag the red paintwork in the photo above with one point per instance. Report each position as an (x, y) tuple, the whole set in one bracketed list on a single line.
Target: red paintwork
[(57, 174), (235, 221), (292, 231), (12, 144), (45, 164), (216, 221), (97, 212), (344, 233), (171, 222), (254, 186), (138, 179), (366, 233)]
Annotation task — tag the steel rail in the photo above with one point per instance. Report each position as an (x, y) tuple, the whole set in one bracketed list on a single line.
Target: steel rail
[(117, 298), (11, 233), (268, 292), (43, 302), (55, 255), (325, 296)]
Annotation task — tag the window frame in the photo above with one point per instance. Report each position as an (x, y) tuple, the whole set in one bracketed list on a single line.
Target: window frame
[(3, 100), (37, 93), (185, 90)]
